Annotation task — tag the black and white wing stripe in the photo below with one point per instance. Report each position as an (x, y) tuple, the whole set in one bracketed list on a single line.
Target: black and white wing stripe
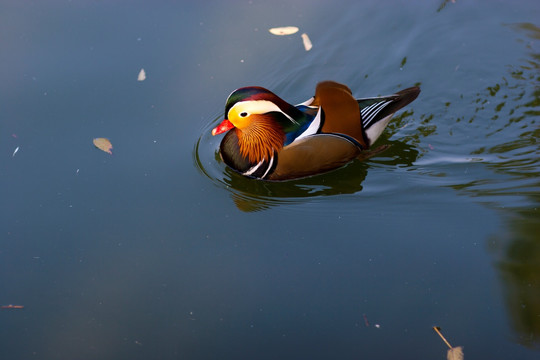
[(377, 111), (375, 116), (371, 109), (369, 114)]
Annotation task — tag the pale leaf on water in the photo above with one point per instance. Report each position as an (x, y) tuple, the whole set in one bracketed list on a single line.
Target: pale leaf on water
[(307, 42), (142, 75), (286, 30), (103, 144), (455, 353)]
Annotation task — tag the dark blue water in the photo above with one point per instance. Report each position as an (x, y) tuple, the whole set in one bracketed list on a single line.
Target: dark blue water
[(161, 252)]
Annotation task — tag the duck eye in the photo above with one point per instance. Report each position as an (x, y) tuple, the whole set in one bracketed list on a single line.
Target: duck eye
[(243, 114)]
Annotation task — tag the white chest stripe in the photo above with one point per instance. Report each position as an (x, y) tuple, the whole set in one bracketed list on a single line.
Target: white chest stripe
[(253, 168), (269, 167), (313, 127)]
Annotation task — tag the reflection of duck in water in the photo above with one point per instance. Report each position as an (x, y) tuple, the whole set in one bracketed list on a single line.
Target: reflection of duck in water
[(250, 195), (270, 139)]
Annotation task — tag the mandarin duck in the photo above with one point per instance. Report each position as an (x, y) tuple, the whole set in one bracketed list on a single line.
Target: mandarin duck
[(268, 138)]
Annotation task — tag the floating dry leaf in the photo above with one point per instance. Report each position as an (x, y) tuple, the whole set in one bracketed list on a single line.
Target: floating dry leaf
[(455, 353), (142, 75), (10, 306), (103, 144), (307, 42), (285, 30)]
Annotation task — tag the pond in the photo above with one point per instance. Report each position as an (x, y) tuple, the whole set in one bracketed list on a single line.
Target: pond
[(160, 251)]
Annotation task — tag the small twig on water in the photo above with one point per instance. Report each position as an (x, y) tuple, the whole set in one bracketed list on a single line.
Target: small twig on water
[(438, 331), (365, 320)]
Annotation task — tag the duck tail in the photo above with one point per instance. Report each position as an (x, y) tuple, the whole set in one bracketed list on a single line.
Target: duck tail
[(377, 111)]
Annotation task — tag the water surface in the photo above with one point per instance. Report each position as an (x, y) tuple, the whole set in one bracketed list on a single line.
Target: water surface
[(161, 251)]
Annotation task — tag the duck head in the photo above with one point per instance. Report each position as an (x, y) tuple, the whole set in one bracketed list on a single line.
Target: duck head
[(258, 122)]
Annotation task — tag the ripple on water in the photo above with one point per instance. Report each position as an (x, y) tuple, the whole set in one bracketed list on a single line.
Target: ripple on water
[(253, 195)]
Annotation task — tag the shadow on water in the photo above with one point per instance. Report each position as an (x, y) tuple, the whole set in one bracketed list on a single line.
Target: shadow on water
[(511, 110), (517, 257), (255, 195)]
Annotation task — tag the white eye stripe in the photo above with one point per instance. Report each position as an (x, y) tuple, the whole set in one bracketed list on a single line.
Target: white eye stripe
[(256, 107)]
